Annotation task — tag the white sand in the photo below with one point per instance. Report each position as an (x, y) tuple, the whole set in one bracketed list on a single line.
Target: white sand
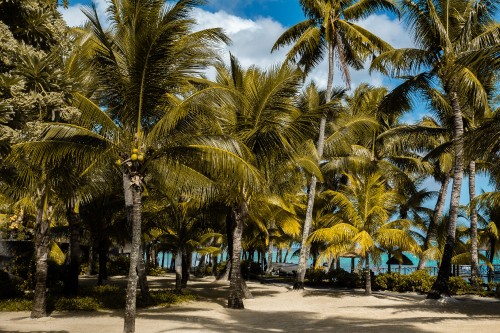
[(277, 309)]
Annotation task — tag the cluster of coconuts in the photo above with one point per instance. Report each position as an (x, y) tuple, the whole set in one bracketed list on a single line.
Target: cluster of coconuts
[(135, 155)]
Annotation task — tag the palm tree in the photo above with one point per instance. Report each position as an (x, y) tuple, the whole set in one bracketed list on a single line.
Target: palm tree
[(262, 114), (361, 220), (458, 41), (329, 26)]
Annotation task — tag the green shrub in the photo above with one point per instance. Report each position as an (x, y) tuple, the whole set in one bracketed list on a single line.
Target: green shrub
[(342, 278), (118, 265), (419, 281), (458, 286), (10, 286), (79, 303), (316, 276), (16, 304), (389, 281), (156, 271), (108, 296), (166, 297)]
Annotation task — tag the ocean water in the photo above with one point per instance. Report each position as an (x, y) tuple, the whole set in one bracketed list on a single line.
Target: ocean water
[(345, 263)]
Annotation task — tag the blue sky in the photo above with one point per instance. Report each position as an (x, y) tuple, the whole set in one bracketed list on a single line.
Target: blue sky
[(254, 26)]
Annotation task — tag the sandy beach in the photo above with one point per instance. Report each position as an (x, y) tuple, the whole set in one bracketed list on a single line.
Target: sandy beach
[(275, 308)]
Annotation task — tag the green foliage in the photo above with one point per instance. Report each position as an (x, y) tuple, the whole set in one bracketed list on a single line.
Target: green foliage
[(342, 278), (316, 276), (458, 286), (118, 265), (166, 297), (85, 303), (10, 285), (155, 271), (249, 269), (418, 281), (16, 304)]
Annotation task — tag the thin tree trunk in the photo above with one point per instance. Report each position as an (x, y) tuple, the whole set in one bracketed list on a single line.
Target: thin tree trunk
[(490, 258), (311, 191), (286, 255), (235, 298), (130, 304), (75, 232), (436, 216), (475, 275), (163, 259), (440, 287), (224, 276), (269, 257), (368, 283), (42, 248), (103, 260), (143, 278), (91, 268), (178, 270), (186, 265)]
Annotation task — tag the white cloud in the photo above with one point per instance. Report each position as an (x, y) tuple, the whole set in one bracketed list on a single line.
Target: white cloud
[(74, 16), (252, 40)]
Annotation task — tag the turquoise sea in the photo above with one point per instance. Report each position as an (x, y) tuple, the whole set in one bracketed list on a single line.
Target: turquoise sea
[(345, 263)]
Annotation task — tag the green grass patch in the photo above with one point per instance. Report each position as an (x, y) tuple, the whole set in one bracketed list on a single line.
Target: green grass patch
[(96, 298)]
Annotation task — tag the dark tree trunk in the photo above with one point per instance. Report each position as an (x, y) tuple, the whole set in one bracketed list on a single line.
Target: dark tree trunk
[(75, 232), (42, 248), (163, 259), (440, 287), (286, 255), (490, 258), (186, 265), (103, 260), (214, 265), (235, 298), (368, 283), (143, 278), (134, 185), (475, 275), (91, 269), (436, 216)]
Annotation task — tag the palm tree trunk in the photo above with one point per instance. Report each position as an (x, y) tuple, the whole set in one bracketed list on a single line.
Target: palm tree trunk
[(178, 270), (186, 265), (368, 277), (103, 260), (473, 225), (143, 278), (269, 257), (490, 258), (42, 248), (440, 287), (235, 298), (130, 300), (73, 217), (436, 216), (311, 191)]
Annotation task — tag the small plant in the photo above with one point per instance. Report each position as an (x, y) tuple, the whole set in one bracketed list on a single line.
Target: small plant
[(316, 276), (342, 278), (458, 286)]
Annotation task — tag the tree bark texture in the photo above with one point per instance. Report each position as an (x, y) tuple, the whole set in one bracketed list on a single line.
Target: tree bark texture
[(436, 216), (311, 192), (42, 248), (130, 300), (440, 287), (143, 277), (269, 257), (178, 270), (473, 225), (75, 232), (368, 283), (235, 298)]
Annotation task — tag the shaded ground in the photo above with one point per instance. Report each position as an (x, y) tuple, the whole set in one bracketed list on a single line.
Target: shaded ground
[(277, 309)]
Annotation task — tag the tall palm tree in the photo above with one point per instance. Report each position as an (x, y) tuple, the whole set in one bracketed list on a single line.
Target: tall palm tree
[(362, 220), (457, 42), (329, 26), (263, 115)]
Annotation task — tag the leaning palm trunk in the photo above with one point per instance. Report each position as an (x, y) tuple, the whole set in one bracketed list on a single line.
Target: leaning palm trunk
[(42, 242), (73, 216), (436, 216), (235, 298), (130, 301), (311, 192), (368, 283), (473, 225), (178, 270), (440, 287)]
